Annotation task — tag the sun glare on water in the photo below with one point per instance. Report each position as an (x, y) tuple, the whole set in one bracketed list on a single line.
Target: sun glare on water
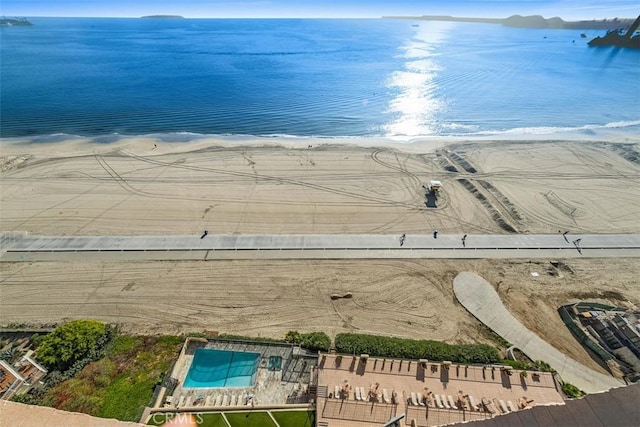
[(416, 102)]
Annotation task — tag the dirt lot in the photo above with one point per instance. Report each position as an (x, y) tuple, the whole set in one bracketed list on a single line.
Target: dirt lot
[(136, 187)]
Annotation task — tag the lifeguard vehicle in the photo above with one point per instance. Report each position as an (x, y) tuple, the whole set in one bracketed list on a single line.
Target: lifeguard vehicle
[(434, 187)]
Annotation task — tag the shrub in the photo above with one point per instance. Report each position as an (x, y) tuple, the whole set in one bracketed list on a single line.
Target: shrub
[(538, 365), (571, 390), (72, 342), (36, 339), (415, 349), (313, 341), (293, 337)]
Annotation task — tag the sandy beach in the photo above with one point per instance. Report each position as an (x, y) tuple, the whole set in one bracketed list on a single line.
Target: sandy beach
[(139, 186), (145, 186)]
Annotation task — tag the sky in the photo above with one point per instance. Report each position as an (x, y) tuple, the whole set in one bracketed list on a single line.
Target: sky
[(566, 9)]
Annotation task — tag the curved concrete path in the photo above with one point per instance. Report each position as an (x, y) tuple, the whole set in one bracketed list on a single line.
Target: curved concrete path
[(481, 300)]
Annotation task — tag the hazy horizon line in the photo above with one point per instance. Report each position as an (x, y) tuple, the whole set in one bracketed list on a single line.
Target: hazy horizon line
[(306, 17)]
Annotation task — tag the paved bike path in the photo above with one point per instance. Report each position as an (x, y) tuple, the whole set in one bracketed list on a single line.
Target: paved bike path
[(25, 247)]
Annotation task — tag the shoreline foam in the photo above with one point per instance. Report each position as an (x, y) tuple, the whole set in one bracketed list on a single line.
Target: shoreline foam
[(615, 133)]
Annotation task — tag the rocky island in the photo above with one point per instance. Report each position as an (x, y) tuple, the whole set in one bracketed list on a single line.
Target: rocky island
[(14, 22)]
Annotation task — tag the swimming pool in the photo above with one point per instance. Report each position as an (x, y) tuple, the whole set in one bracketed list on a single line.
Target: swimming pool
[(222, 368)]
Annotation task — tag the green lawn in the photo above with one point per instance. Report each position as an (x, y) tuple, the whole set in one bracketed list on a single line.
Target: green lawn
[(249, 419), (294, 418), (242, 419)]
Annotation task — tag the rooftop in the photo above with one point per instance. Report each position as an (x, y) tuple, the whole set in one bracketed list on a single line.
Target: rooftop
[(456, 391)]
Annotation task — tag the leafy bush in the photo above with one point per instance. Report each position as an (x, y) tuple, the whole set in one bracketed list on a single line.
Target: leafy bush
[(293, 337), (571, 390), (71, 342), (543, 366), (36, 339), (313, 341), (415, 349)]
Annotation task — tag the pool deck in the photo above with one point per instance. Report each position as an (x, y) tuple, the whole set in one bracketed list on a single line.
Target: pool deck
[(271, 387), (409, 376)]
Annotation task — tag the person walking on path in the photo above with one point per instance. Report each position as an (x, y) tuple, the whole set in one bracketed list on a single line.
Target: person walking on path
[(402, 239), (464, 241), (576, 243), (435, 234), (565, 235)]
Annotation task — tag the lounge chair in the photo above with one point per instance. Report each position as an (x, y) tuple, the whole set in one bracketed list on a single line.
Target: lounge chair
[(207, 401), (445, 402), (511, 407), (438, 402), (181, 401), (473, 403), (225, 400), (414, 400), (420, 399), (503, 406), (489, 406), (429, 400), (357, 393), (336, 392), (189, 401), (363, 394), (385, 396), (218, 400), (452, 402)]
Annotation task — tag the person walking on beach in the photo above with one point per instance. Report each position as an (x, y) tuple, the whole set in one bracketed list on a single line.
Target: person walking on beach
[(464, 241), (435, 234), (402, 239)]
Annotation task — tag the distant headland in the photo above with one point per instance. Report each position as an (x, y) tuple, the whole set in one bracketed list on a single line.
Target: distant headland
[(164, 16), (12, 22), (533, 21)]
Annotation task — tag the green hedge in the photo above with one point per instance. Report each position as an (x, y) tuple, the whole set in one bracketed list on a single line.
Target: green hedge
[(538, 365), (415, 349), (313, 341)]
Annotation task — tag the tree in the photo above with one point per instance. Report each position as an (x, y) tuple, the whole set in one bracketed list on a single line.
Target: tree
[(69, 343)]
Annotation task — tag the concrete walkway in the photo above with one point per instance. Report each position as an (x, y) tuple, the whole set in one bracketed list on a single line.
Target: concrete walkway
[(25, 247), (481, 300)]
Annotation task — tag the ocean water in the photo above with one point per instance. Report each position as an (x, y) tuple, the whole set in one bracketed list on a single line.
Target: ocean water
[(302, 77)]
